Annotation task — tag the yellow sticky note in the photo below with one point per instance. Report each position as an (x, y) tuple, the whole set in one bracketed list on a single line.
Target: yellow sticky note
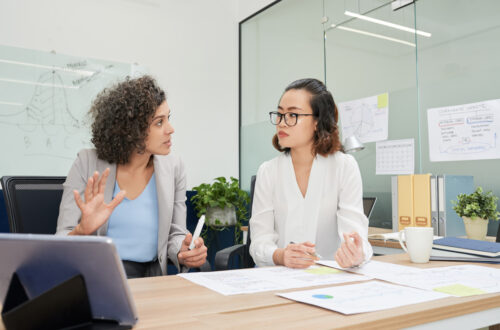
[(459, 290), (382, 100), (323, 270)]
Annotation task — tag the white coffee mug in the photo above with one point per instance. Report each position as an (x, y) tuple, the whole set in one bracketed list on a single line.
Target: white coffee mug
[(418, 243)]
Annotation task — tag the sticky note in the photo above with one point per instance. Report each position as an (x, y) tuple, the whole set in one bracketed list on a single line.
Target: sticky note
[(459, 290), (323, 271), (382, 100)]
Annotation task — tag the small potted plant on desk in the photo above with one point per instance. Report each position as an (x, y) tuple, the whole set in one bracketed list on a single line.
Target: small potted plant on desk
[(224, 205), (476, 209)]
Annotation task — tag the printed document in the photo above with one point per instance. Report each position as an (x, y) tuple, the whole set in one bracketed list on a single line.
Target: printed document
[(364, 297), (253, 280), (395, 157)]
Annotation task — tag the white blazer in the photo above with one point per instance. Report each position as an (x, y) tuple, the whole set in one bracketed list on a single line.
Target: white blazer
[(171, 189), (333, 205)]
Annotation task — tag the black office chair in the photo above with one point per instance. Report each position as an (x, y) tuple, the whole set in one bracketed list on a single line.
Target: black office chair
[(225, 258), (32, 203)]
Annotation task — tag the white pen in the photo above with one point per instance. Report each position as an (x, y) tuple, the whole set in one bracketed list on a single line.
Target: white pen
[(197, 231)]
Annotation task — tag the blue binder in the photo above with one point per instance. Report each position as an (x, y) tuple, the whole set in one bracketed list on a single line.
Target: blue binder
[(449, 187)]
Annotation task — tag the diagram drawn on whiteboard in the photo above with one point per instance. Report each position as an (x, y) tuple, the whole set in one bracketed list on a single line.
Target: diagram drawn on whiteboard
[(464, 132), (44, 103), (365, 118)]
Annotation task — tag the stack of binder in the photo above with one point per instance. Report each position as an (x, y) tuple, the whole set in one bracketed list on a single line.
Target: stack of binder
[(463, 249), (424, 200)]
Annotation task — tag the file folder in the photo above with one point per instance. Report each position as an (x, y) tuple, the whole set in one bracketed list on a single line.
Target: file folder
[(434, 205), (449, 187), (422, 200), (394, 197), (405, 201)]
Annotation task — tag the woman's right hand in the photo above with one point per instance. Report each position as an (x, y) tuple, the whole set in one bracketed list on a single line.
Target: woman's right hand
[(94, 210), (296, 255)]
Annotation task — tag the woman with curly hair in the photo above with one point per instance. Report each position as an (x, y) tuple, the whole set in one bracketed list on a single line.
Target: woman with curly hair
[(308, 199), (139, 199)]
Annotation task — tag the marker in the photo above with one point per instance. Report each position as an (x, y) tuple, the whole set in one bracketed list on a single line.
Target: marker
[(197, 231)]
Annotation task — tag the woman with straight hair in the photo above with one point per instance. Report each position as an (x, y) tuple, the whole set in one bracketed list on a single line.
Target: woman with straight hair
[(308, 201)]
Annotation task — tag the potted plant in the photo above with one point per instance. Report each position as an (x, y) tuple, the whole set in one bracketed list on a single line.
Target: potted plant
[(222, 202), (476, 209)]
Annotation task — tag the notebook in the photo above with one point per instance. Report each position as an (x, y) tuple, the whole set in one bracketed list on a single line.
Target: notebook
[(469, 246)]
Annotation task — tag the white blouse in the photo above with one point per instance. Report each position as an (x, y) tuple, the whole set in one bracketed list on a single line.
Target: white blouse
[(333, 205)]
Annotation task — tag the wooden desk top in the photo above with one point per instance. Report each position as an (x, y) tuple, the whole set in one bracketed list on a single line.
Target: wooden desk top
[(176, 302)]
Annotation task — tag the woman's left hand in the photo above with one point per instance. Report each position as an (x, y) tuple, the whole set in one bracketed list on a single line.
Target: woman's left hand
[(195, 257), (350, 253)]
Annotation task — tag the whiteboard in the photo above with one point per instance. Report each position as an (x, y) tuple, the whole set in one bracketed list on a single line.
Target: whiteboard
[(44, 101)]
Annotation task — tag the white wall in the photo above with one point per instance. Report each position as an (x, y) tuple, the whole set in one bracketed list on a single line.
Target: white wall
[(189, 46)]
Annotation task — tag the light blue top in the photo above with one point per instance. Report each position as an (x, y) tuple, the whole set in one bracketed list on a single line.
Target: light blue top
[(133, 225)]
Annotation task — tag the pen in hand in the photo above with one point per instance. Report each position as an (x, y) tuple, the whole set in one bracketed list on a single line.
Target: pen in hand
[(315, 255)]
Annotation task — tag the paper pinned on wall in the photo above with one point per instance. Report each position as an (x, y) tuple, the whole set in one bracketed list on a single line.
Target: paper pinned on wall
[(464, 132), (366, 118), (395, 157)]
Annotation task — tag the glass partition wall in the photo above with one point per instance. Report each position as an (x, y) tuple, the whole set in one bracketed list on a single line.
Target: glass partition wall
[(424, 55)]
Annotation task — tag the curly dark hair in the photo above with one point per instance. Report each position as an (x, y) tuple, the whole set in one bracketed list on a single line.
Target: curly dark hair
[(121, 117), (326, 136)]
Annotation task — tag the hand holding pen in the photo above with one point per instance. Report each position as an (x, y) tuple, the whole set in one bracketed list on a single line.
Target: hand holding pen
[(296, 255)]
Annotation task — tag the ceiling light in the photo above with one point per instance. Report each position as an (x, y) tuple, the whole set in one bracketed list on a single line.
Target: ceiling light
[(15, 104), (389, 24), (50, 67), (366, 33), (38, 83)]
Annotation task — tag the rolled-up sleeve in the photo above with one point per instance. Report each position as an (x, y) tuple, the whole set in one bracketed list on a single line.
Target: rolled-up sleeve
[(350, 215), (264, 238)]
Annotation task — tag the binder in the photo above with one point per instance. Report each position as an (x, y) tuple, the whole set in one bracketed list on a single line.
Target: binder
[(394, 195), (422, 200), (434, 205), (405, 201), (449, 186)]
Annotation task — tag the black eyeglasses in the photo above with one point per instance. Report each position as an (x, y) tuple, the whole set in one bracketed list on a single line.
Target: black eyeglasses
[(290, 117)]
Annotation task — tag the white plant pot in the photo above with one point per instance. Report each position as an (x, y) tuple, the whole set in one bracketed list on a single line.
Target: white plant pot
[(226, 216), (476, 228)]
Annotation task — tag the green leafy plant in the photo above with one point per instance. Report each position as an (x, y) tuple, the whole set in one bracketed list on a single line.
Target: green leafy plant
[(477, 205), (222, 193)]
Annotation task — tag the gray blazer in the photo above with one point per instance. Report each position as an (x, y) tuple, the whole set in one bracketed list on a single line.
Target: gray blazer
[(171, 189)]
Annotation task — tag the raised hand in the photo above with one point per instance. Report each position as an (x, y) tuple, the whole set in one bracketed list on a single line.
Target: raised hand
[(195, 257), (350, 253), (94, 210)]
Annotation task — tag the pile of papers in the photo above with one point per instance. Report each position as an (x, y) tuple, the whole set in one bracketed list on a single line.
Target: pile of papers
[(408, 285)]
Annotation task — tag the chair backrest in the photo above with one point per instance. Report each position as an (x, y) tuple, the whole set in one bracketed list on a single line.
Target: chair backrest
[(32, 203)]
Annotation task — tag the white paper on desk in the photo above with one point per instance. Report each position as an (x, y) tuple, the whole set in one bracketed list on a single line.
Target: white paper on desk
[(395, 157), (253, 280), (364, 297), (460, 280), (375, 269)]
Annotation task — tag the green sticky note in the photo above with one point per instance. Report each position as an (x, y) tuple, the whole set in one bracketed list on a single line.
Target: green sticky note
[(323, 270), (459, 290), (382, 100)]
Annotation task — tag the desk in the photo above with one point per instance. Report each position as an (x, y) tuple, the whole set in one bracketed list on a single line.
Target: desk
[(172, 301)]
